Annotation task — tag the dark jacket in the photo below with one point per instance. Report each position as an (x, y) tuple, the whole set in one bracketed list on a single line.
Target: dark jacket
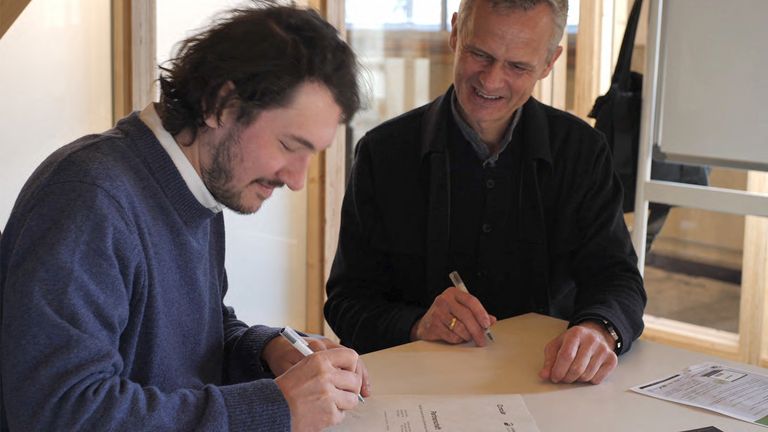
[(391, 261)]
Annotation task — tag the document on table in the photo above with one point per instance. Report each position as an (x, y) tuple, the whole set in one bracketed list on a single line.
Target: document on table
[(726, 390), (410, 413)]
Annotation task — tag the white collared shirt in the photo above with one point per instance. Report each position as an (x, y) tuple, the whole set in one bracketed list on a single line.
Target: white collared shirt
[(194, 182)]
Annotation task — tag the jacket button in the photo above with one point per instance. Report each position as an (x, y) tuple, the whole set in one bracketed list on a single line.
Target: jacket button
[(490, 183), (486, 228)]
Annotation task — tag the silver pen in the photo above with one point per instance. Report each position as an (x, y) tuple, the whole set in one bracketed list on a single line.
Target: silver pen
[(456, 279), (300, 344)]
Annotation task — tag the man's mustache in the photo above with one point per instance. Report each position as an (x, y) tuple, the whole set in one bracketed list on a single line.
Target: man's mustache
[(269, 183)]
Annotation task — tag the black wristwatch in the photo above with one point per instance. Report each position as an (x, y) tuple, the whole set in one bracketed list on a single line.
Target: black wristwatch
[(614, 334)]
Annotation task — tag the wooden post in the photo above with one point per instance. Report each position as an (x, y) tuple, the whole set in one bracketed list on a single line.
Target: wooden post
[(144, 49), (325, 191), (588, 48), (552, 89), (122, 73), (315, 244), (134, 68), (754, 281), (560, 76)]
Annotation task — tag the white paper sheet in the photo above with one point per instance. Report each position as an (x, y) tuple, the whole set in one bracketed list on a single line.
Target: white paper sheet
[(410, 413), (726, 390)]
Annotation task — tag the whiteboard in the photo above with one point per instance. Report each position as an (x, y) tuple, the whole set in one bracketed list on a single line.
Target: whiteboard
[(712, 106)]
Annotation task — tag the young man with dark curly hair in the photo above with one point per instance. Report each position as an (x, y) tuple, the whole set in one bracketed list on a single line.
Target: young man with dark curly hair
[(112, 274)]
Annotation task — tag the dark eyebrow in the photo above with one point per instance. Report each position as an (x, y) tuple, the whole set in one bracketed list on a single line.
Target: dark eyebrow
[(306, 143)]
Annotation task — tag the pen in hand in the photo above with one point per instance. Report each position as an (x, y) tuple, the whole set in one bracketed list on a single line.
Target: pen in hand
[(300, 344), (456, 279)]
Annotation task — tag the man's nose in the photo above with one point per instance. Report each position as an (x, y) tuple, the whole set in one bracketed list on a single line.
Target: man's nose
[(295, 173), (492, 77)]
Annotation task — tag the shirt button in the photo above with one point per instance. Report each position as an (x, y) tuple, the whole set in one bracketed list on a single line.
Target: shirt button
[(486, 228), (490, 183)]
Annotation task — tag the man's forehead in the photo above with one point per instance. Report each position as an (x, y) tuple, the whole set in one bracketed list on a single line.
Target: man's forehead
[(477, 33)]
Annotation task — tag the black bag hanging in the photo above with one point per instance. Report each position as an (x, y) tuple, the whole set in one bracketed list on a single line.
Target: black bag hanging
[(617, 115)]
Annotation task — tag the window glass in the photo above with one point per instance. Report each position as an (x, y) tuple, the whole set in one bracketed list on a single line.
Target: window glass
[(693, 270), (394, 14), (426, 13)]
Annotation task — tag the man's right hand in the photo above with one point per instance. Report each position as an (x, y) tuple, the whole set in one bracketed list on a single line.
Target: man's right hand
[(471, 319), (320, 388)]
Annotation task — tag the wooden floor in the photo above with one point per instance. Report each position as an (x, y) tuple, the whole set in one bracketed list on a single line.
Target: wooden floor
[(705, 299)]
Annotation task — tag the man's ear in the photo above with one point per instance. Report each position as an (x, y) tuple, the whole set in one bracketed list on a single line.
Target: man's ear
[(551, 64), (454, 33), (212, 120)]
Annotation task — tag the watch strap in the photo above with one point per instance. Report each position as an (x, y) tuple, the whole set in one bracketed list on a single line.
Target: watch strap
[(614, 334)]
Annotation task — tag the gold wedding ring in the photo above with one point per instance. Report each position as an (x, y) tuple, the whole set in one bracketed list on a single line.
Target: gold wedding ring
[(453, 323)]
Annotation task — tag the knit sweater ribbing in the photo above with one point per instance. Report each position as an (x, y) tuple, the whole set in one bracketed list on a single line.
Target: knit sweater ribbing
[(112, 283)]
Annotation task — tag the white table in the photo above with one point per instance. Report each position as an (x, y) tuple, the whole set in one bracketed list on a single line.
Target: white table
[(512, 364)]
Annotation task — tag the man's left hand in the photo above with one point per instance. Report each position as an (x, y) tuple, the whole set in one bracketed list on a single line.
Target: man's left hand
[(583, 353), (280, 355)]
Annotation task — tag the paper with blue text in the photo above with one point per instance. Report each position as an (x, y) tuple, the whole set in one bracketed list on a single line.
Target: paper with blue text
[(443, 413)]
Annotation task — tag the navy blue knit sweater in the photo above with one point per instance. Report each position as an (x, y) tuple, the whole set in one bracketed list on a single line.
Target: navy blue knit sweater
[(112, 283)]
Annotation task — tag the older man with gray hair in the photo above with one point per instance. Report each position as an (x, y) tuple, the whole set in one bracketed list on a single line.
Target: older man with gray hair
[(516, 196)]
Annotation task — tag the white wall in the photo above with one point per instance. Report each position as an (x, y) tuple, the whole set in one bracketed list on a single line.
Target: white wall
[(266, 252), (55, 85)]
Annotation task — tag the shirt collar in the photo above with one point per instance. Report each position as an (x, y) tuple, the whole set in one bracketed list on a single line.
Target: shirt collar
[(474, 138), (191, 178)]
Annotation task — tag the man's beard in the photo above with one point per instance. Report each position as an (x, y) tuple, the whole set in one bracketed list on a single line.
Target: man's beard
[(218, 176)]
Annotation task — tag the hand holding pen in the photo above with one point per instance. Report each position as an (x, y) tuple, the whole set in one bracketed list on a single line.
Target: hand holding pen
[(302, 346), (454, 317), (456, 279), (321, 386)]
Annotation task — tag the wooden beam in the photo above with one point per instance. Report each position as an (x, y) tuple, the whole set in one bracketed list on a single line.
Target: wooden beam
[(325, 191), (335, 176), (621, 9), (315, 225), (122, 75), (552, 89), (134, 60), (588, 49), (9, 11), (315, 244), (560, 76), (144, 52), (318, 5), (691, 337), (335, 168), (753, 320)]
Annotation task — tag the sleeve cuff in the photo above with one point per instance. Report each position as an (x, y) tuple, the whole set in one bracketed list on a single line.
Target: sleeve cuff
[(256, 406), (247, 353), (408, 318), (620, 346)]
